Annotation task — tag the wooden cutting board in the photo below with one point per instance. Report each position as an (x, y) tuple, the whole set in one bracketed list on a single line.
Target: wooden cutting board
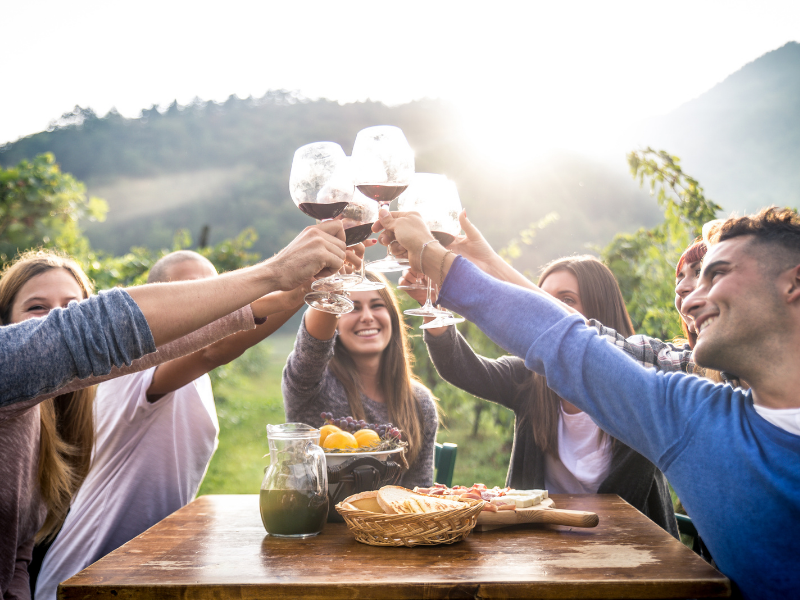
[(544, 512)]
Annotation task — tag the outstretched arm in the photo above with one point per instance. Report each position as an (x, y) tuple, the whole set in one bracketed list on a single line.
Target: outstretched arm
[(277, 307)]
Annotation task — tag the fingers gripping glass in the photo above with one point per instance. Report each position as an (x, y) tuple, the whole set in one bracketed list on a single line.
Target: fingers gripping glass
[(319, 186), (383, 163), (436, 199)]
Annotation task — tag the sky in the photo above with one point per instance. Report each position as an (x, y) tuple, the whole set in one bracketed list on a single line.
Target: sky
[(524, 76)]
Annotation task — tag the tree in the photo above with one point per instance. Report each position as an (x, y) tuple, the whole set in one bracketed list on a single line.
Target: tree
[(41, 206), (644, 262)]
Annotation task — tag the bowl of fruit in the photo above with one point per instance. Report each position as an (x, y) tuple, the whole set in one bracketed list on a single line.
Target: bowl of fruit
[(343, 438), (360, 456)]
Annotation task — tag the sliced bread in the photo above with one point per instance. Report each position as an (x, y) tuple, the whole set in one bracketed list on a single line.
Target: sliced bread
[(398, 500)]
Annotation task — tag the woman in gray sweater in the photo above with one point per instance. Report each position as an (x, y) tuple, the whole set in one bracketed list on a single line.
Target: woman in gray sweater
[(556, 446), (359, 365)]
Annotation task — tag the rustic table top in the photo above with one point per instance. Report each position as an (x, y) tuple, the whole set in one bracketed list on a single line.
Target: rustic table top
[(216, 547)]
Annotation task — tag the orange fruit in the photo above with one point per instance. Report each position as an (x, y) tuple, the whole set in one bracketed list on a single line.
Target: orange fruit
[(340, 440), (325, 431), (366, 437)]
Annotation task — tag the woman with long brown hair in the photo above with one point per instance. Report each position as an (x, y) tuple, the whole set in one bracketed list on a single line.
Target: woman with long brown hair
[(556, 446), (359, 364)]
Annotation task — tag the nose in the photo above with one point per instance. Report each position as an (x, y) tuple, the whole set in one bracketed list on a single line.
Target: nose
[(366, 314), (684, 287), (694, 302)]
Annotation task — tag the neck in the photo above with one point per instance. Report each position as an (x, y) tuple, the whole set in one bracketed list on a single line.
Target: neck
[(775, 377), (368, 368)]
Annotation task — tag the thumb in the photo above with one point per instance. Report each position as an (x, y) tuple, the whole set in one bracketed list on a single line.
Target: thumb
[(469, 229), (385, 220)]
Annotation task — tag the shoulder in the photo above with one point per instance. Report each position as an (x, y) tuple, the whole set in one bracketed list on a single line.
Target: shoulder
[(425, 398)]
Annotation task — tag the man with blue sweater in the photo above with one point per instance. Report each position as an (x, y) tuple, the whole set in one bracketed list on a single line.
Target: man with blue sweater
[(732, 456)]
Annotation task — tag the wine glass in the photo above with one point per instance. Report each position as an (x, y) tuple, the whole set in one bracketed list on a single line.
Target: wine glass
[(436, 199), (357, 219), (383, 164), (320, 187)]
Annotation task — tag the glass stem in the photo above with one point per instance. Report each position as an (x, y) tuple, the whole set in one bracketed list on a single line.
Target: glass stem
[(428, 304)]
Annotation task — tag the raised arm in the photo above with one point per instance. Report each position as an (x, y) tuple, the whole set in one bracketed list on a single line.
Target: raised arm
[(88, 338), (644, 409), (276, 308), (497, 380)]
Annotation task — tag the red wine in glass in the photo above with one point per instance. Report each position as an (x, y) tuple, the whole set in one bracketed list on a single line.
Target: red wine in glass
[(359, 233), (382, 193), (445, 239), (322, 211)]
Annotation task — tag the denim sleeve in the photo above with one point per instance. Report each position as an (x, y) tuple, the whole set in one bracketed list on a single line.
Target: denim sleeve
[(87, 338)]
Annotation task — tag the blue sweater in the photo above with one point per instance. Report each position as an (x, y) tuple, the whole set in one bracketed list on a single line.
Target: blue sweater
[(737, 475)]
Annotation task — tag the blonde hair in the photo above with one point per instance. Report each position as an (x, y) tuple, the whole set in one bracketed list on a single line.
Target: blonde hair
[(66, 422), (395, 375)]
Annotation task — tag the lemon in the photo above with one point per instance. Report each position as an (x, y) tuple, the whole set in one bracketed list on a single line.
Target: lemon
[(325, 431), (366, 438), (340, 440)]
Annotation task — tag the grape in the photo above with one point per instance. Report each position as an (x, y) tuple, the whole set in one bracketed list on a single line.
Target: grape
[(323, 416)]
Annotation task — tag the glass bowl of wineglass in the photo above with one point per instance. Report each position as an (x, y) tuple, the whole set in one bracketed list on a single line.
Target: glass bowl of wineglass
[(321, 185), (383, 164), (436, 199)]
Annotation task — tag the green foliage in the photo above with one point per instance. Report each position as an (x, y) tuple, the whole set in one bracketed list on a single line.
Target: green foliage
[(41, 206), (644, 262)]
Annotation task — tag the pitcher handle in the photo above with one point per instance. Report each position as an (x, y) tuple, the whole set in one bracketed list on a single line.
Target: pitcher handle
[(321, 464)]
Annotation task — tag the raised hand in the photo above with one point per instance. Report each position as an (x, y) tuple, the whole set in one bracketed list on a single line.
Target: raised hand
[(319, 251), (473, 246), (410, 277)]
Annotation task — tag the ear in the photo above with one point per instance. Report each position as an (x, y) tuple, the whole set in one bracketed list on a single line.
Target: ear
[(793, 291)]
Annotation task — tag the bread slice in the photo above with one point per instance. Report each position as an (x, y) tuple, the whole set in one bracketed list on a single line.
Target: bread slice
[(364, 501), (398, 500)]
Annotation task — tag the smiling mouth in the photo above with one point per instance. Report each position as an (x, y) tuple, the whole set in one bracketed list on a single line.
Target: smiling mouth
[(705, 324), (367, 332)]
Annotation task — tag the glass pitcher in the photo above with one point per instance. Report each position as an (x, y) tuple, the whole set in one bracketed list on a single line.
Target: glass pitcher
[(294, 493)]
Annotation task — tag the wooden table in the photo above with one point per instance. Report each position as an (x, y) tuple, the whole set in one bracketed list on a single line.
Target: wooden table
[(216, 547)]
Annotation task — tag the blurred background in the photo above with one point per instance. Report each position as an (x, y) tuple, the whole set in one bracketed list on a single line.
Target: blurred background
[(133, 128)]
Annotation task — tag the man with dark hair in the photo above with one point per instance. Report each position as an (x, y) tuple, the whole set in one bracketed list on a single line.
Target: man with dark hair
[(733, 456)]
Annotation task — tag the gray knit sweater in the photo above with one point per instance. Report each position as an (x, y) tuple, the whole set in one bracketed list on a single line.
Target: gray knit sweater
[(632, 476), (309, 388)]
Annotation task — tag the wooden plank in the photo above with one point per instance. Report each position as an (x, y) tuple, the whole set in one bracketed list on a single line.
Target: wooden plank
[(544, 512), (216, 547)]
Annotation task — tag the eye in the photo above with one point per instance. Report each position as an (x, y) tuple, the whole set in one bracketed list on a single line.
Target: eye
[(697, 272), (568, 301), (37, 308)]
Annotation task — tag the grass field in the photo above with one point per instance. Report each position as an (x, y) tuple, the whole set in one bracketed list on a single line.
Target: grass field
[(248, 396)]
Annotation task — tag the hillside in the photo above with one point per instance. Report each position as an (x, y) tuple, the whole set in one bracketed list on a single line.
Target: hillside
[(227, 166), (741, 139)]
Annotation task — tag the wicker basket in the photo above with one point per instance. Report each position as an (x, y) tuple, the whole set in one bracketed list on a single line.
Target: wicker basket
[(428, 529)]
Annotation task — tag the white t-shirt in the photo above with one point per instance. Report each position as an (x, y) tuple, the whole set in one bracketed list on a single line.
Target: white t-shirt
[(787, 419), (149, 460), (583, 459)]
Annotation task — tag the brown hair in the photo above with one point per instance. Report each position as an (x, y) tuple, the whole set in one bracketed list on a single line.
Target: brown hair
[(396, 376), (66, 422), (777, 227), (602, 300)]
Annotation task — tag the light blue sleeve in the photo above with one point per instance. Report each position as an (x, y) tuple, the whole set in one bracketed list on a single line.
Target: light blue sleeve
[(647, 410)]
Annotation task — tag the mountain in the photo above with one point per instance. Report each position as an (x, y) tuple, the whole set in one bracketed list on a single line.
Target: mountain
[(741, 139), (227, 166)]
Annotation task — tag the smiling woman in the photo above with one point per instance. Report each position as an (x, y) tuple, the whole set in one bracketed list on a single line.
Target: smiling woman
[(360, 365)]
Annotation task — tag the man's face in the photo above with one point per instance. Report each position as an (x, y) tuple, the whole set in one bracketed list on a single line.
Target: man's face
[(736, 307)]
